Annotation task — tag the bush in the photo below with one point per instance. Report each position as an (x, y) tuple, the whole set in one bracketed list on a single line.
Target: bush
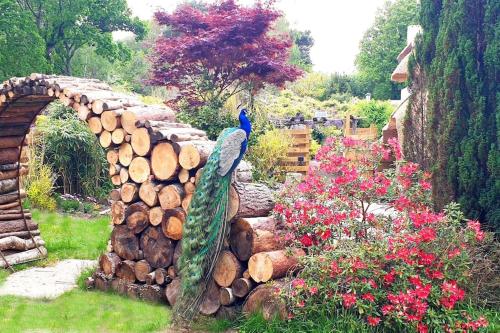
[(376, 112), (403, 268), (265, 154), (39, 187), (210, 118)]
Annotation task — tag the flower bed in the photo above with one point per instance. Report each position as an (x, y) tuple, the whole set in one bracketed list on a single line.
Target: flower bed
[(406, 267)]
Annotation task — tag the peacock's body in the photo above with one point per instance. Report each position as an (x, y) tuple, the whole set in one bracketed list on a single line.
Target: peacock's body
[(207, 223)]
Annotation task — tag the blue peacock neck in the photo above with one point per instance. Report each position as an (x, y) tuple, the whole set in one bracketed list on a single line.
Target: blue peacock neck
[(245, 123)]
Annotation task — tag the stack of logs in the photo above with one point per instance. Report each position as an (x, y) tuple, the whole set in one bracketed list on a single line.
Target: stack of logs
[(19, 237), (155, 163)]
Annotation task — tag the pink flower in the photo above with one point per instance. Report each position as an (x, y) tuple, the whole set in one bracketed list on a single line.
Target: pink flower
[(422, 328), (349, 300), (298, 283), (373, 321), (368, 297), (427, 234), (306, 240), (313, 290)]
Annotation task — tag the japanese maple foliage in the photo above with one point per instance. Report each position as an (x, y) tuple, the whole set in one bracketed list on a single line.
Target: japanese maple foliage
[(221, 50), (401, 265)]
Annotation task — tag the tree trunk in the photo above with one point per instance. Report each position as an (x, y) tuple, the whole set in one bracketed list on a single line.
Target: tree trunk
[(211, 301), (148, 192), (125, 154), (118, 212), (226, 296), (249, 236), (25, 256), (19, 244), (265, 266), (129, 192), (16, 225), (252, 200)]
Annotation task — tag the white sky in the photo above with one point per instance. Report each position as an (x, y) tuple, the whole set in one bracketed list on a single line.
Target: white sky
[(337, 26)]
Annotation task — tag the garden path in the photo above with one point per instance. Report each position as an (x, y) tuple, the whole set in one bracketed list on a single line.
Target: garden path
[(46, 282)]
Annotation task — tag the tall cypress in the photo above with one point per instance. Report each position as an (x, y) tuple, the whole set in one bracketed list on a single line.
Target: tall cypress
[(458, 55)]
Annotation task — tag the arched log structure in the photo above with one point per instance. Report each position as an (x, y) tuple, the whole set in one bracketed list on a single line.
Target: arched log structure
[(155, 164)]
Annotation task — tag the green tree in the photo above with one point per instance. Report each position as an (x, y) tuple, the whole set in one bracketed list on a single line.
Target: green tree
[(68, 25), (22, 49), (381, 45), (301, 49), (458, 54)]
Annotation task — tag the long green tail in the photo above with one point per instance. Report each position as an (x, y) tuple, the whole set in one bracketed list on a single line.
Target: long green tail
[(204, 231)]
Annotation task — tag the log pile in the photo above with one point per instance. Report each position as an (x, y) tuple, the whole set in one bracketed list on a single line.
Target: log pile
[(155, 164)]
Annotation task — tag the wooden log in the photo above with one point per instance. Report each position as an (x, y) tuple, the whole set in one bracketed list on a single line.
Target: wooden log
[(8, 185), (9, 155), (171, 196), (249, 236), (101, 281), (8, 166), (95, 125), (11, 141), (172, 227), (118, 136), (109, 262), (21, 234), (125, 154), (114, 169), (120, 286), (150, 278), (176, 134), (164, 161), (242, 286), (243, 172), (161, 277), (23, 257), (115, 194), (116, 180), (124, 176), (118, 212), (226, 296), (265, 266), (133, 291), (211, 300), (183, 176), (126, 271), (158, 249), (142, 269), (137, 222), (172, 291), (112, 156), (227, 269), (148, 192), (12, 173), (110, 120), (177, 254), (128, 121), (152, 293), (266, 300), (139, 169), (13, 216), (105, 139), (17, 225), (251, 200), (83, 112), (194, 154), (172, 272), (140, 141), (189, 187), (186, 201), (129, 192), (156, 215), (19, 244), (125, 243)]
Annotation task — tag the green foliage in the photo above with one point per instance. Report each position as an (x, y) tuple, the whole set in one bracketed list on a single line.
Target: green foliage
[(67, 145), (343, 86), (22, 49), (376, 112), (68, 205), (301, 50), (66, 26), (40, 187), (310, 85), (265, 154), (210, 118), (381, 45), (458, 54)]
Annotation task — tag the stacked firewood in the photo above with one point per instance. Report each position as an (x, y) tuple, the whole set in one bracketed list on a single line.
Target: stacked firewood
[(19, 236), (155, 164)]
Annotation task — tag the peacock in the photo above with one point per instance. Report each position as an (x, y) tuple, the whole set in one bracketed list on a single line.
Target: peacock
[(207, 223)]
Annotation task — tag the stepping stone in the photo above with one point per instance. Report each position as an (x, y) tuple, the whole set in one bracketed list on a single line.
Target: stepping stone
[(46, 282)]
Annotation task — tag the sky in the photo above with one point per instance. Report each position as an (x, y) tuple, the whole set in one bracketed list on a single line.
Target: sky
[(337, 26)]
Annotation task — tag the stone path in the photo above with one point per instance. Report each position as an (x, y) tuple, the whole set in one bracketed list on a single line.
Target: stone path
[(46, 282)]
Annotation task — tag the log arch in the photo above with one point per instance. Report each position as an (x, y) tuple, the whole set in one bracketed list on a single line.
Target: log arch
[(21, 101)]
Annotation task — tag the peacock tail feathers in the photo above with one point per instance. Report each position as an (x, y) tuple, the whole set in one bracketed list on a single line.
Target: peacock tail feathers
[(204, 232)]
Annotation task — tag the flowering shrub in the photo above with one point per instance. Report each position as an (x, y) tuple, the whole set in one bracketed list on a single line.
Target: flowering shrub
[(374, 246)]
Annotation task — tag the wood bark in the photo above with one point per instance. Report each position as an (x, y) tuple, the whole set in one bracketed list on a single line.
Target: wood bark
[(9, 155), (265, 266), (25, 256), (11, 197), (118, 212), (142, 268), (8, 185), (126, 271), (161, 277), (249, 236), (105, 139), (125, 243), (252, 199), (158, 250), (118, 136), (112, 156), (17, 225), (109, 263), (19, 244), (242, 286), (172, 291), (265, 300), (156, 215), (148, 192), (137, 221)]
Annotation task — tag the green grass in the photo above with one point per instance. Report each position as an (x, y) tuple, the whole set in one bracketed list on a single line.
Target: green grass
[(81, 311)]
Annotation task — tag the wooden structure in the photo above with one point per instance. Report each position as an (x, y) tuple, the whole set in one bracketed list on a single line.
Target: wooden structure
[(298, 155), (155, 164), (354, 132)]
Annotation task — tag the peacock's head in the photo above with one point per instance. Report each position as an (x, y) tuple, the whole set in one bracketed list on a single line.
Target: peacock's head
[(244, 121)]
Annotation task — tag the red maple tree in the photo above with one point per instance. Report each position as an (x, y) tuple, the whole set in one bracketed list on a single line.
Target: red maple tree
[(220, 50)]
